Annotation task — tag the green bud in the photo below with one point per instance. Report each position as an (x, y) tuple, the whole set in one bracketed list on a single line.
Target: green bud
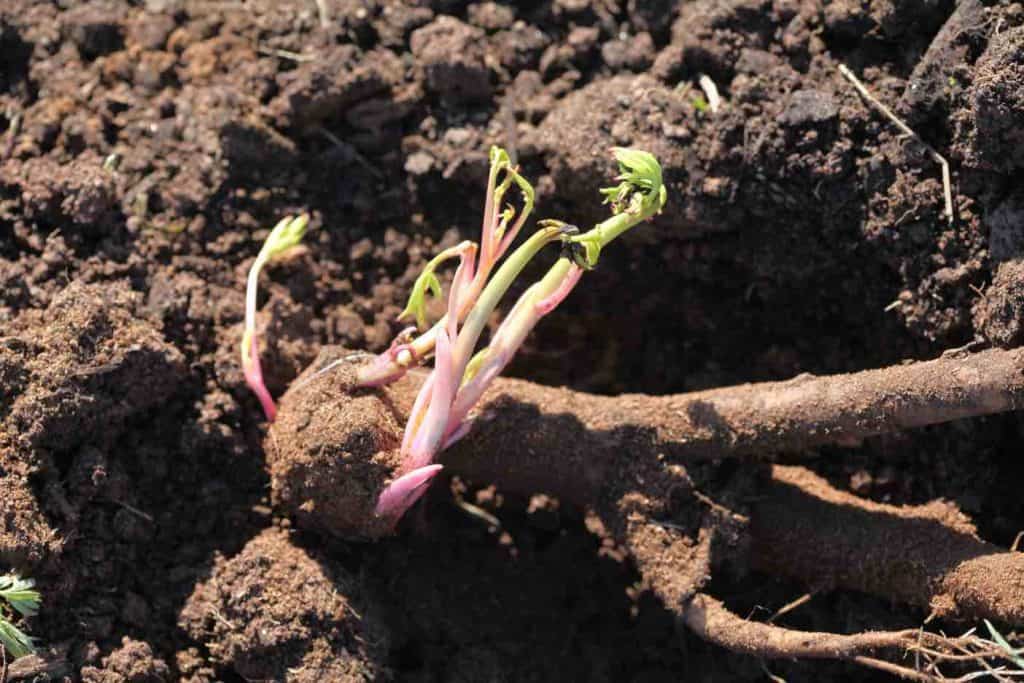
[(285, 235), (641, 188)]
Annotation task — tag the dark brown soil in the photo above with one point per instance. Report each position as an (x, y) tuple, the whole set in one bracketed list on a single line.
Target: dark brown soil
[(272, 612), (145, 149)]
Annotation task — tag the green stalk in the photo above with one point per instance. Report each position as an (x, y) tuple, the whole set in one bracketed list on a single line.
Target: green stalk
[(495, 290)]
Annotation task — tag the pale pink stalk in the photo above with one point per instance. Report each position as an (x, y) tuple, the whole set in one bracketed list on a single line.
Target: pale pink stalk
[(254, 378), (419, 408), (282, 240), (495, 239), (423, 434), (404, 491), (430, 431), (533, 305), (555, 298), (457, 383), (425, 428)]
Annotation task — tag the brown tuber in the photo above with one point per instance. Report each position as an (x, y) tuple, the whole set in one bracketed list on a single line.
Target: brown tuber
[(647, 466)]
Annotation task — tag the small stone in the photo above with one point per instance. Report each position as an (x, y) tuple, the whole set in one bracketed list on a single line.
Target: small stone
[(419, 163), (809, 107)]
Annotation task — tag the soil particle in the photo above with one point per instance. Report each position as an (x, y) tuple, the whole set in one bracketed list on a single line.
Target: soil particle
[(90, 366), (87, 367), (149, 31), (997, 103), (520, 47), (1005, 223), (573, 54), (133, 662), (712, 34), (337, 79), (491, 16), (652, 16), (55, 195), (999, 315), (95, 28), (452, 55), (629, 53), (26, 539), (276, 612), (809, 108), (937, 81)]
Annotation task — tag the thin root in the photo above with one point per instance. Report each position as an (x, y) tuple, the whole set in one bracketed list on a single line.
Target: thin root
[(947, 185), (709, 619)]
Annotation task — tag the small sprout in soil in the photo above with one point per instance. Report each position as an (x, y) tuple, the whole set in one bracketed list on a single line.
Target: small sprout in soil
[(440, 414), (17, 595), (282, 239)]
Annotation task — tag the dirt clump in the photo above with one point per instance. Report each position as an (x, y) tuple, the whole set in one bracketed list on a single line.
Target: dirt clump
[(997, 103), (999, 315), (276, 612), (78, 373), (332, 451), (133, 662), (452, 55)]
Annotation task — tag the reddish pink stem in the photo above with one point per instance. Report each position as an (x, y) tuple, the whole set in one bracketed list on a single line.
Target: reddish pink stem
[(254, 378)]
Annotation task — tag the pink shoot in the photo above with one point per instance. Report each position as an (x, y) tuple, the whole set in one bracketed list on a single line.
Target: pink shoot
[(440, 414), (282, 239), (254, 378), (404, 491), (498, 230)]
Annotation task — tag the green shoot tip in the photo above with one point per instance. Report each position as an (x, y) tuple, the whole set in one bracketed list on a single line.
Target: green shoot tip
[(286, 234), (641, 189)]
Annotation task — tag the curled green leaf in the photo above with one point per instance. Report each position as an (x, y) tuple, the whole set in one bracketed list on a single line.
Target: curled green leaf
[(641, 189), (416, 307)]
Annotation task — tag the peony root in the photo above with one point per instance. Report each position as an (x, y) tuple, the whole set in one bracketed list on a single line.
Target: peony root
[(710, 620), (925, 555), (646, 466)]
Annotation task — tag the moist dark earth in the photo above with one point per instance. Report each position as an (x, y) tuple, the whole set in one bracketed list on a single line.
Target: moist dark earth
[(147, 147)]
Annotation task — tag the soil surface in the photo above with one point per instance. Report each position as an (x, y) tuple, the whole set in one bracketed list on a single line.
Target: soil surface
[(147, 147)]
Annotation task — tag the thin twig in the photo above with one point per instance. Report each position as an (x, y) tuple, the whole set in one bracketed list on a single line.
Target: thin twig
[(325, 15), (894, 669), (772, 677), (478, 512), (135, 511), (337, 142), (284, 54), (12, 134), (947, 189)]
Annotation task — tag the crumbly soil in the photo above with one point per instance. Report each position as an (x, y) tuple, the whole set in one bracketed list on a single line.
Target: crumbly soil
[(146, 148)]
